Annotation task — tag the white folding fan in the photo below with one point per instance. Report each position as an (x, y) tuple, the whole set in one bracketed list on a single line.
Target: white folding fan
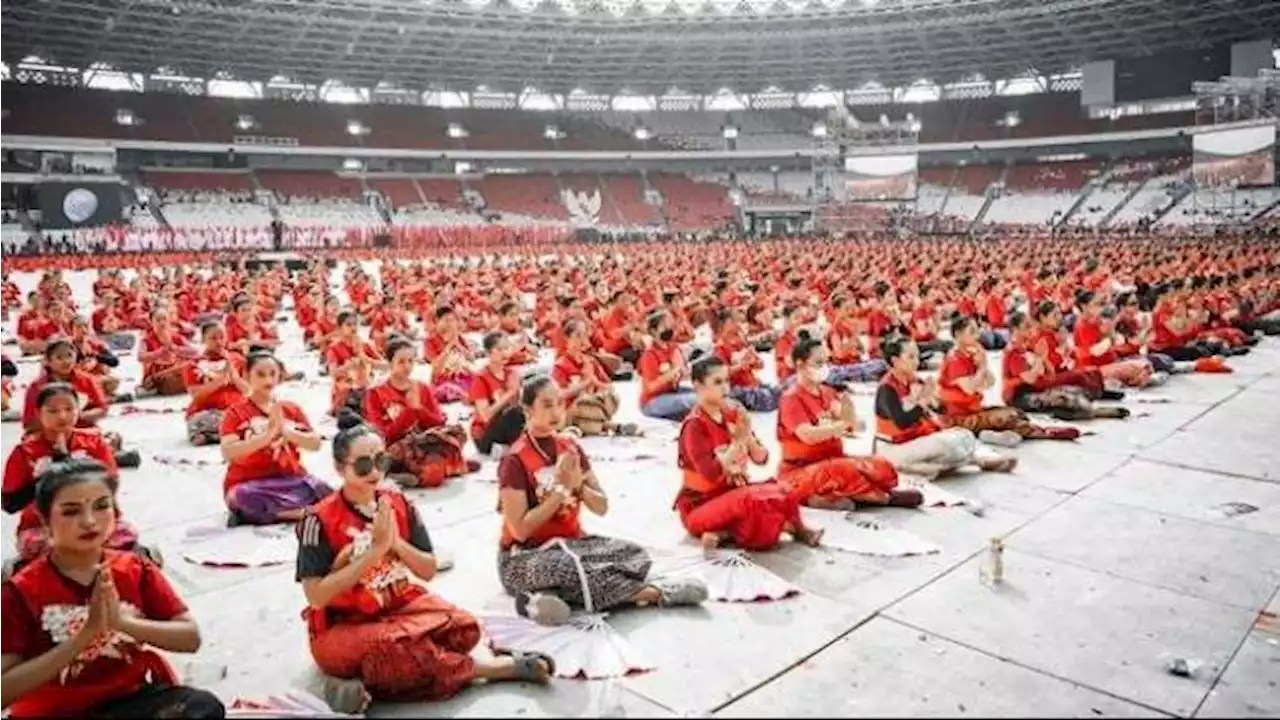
[(585, 647), (293, 704), (730, 575), (243, 546), (860, 534)]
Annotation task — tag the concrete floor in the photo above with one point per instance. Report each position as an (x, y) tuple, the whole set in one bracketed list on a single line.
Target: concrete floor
[(1122, 555)]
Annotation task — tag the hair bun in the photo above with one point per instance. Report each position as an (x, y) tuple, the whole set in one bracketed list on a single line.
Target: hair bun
[(349, 420)]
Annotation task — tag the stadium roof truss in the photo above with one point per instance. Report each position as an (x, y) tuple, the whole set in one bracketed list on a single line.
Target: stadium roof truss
[(612, 47)]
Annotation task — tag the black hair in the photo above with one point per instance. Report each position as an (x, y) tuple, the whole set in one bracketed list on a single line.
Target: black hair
[(506, 307), (571, 326), (1043, 308), (348, 315), (443, 310), (893, 347), (54, 344), (533, 387), (703, 368), (209, 325), (65, 472), (1017, 320), (396, 343), (959, 323), (491, 340), (805, 349), (238, 302), (52, 390), (351, 427), (654, 320), (1083, 297), (257, 356)]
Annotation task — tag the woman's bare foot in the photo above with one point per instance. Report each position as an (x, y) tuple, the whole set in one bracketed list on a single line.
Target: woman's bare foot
[(710, 542), (1001, 464), (811, 537), (831, 502)]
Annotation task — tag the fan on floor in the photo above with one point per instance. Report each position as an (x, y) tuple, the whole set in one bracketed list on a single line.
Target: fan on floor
[(586, 647), (730, 575), (293, 704)]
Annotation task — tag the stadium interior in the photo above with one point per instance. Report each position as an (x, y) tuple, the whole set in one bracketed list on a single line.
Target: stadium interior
[(609, 153)]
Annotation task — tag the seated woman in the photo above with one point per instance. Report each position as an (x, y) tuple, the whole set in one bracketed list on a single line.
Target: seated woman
[(731, 347), (374, 628), (35, 326), (662, 367), (95, 358), (10, 371), (1096, 342), (495, 397), (849, 362), (56, 435), (813, 420), (717, 502), (523, 351), (215, 381), (964, 380), (1029, 384), (450, 357), (1047, 339), (351, 363), (588, 391), (547, 562), (164, 356), (424, 448), (321, 331), (908, 434), (83, 624), (262, 440), (60, 367), (245, 331)]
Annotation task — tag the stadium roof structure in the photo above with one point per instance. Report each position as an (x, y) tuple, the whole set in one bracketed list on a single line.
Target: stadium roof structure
[(616, 46)]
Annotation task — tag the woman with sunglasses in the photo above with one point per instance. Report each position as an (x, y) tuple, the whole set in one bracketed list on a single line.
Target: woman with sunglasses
[(351, 363), (375, 630), (426, 450), (262, 442), (84, 625), (58, 436), (717, 502), (547, 561), (813, 420)]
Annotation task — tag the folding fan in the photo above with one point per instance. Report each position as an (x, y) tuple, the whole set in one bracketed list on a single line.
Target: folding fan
[(730, 575), (293, 704), (854, 533), (243, 546), (586, 647)]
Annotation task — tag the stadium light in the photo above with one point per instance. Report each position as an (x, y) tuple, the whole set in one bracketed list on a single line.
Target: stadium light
[(352, 164), (819, 130), (245, 122), (455, 130), (552, 133), (1011, 119), (730, 132), (642, 133), (462, 167), (125, 116), (357, 128)]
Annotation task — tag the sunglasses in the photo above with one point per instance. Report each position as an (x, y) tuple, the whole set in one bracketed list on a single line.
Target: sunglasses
[(366, 464)]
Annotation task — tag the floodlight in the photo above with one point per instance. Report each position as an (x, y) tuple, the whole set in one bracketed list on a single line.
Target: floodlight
[(352, 164), (355, 127), (730, 132), (819, 130), (125, 116), (642, 133), (455, 130), (245, 122)]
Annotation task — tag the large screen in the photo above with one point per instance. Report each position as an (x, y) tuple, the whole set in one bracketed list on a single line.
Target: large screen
[(882, 177), (66, 206), (1245, 157)]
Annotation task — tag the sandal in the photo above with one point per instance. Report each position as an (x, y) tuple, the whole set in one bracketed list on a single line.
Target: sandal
[(526, 665)]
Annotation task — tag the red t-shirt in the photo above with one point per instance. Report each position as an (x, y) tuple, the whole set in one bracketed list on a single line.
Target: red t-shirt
[(88, 390), (569, 370), (799, 407), (42, 608), (203, 370), (657, 360), (246, 420), (955, 400), (1088, 332), (386, 408), (486, 386), (33, 454)]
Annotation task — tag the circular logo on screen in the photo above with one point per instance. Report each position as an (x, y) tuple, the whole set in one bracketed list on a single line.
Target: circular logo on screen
[(79, 205)]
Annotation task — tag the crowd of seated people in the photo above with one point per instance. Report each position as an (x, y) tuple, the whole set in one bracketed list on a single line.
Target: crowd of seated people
[(1056, 330)]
